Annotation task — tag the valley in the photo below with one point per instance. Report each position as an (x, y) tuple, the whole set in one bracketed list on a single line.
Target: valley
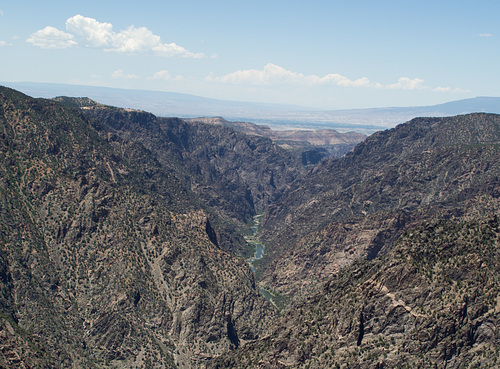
[(129, 240)]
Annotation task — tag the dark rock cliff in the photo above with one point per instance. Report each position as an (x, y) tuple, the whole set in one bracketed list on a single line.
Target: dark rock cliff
[(357, 206), (239, 173), (235, 176), (106, 256)]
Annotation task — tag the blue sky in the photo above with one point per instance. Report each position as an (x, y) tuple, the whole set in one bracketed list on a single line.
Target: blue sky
[(333, 54)]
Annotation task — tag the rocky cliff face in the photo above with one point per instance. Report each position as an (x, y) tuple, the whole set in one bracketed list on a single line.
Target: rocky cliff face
[(106, 257), (213, 156), (431, 302), (234, 175), (357, 206)]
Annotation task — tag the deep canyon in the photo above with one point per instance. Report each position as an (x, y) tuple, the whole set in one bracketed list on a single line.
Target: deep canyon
[(129, 240)]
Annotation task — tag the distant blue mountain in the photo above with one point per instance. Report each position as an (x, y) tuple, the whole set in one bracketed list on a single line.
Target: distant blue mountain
[(158, 102), (479, 104), (277, 116)]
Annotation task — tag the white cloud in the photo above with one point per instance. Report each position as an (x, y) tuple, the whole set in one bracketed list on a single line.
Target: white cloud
[(131, 40), (3, 43), (135, 40), (339, 80), (165, 76), (96, 34), (274, 75), (51, 38), (405, 83), (271, 74), (450, 89), (1, 12), (174, 50), (120, 74), (485, 35)]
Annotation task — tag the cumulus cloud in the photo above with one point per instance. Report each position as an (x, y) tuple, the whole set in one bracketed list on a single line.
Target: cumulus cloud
[(89, 32), (94, 33), (339, 80), (271, 74), (131, 40), (120, 74), (165, 76), (450, 89), (52, 38), (405, 83), (3, 43), (274, 75)]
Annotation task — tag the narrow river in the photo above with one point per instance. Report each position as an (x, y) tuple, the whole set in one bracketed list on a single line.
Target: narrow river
[(252, 240), (275, 298)]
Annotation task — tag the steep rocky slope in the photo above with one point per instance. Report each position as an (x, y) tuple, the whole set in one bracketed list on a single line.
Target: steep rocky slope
[(431, 302), (107, 259), (118, 235), (234, 175), (357, 206), (213, 155)]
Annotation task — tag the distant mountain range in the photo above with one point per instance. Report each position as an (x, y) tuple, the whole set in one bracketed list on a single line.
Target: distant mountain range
[(277, 116), (166, 104)]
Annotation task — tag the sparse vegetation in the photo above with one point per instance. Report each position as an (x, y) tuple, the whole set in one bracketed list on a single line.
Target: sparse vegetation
[(121, 244)]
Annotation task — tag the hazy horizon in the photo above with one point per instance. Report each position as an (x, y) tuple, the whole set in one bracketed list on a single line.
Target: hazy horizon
[(328, 55), (277, 116)]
